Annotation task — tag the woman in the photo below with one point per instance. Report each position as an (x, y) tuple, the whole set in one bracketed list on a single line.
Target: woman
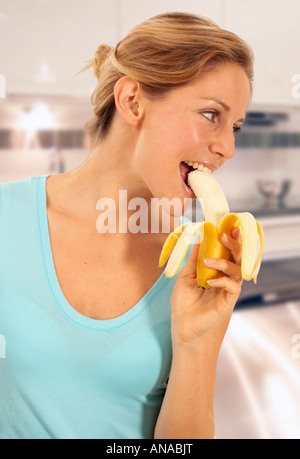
[(99, 343)]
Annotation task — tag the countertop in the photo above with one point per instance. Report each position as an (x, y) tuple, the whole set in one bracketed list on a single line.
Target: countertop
[(258, 380)]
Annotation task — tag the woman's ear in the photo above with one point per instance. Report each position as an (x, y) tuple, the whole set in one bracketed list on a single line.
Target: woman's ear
[(129, 100)]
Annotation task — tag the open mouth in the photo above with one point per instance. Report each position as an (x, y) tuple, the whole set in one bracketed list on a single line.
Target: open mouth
[(186, 167)]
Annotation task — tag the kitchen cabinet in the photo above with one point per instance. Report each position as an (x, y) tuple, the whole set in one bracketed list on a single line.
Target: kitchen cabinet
[(272, 29), (281, 237), (53, 41), (69, 34), (132, 12)]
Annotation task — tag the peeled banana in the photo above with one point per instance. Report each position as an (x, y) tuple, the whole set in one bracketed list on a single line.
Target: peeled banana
[(217, 221)]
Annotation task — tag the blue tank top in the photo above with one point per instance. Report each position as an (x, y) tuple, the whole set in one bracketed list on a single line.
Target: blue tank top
[(64, 375)]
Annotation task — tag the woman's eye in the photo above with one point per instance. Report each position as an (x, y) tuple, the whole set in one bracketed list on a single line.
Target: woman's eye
[(209, 115), (236, 129), (212, 115)]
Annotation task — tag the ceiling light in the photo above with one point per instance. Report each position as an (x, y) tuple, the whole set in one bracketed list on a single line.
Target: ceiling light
[(44, 74)]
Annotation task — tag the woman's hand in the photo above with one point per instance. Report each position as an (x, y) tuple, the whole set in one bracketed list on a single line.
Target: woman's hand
[(196, 311)]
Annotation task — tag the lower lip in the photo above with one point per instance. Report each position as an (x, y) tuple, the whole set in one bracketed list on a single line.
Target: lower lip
[(187, 189), (189, 192)]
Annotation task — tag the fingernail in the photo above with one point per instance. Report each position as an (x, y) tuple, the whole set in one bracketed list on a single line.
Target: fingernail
[(209, 261), (211, 281)]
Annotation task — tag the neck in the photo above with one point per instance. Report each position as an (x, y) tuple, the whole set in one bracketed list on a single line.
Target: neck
[(108, 181)]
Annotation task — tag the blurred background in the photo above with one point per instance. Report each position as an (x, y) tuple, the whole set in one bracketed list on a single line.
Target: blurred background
[(43, 109)]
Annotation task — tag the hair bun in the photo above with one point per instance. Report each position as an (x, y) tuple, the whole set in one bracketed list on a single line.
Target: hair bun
[(100, 57)]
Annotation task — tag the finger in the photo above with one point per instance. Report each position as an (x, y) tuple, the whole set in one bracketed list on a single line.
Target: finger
[(234, 244), (231, 286), (237, 234), (227, 267)]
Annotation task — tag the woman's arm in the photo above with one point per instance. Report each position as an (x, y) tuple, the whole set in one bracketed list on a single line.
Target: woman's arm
[(187, 410), (199, 323)]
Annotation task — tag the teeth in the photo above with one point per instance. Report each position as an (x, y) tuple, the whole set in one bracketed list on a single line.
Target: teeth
[(198, 166)]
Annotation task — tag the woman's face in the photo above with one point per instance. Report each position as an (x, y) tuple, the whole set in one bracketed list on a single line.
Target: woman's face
[(193, 123)]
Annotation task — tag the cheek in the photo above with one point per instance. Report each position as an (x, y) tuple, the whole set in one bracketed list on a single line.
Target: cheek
[(166, 140), (179, 140), (159, 141), (195, 136)]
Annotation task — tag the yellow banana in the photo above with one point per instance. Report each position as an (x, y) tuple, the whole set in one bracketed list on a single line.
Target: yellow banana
[(217, 221)]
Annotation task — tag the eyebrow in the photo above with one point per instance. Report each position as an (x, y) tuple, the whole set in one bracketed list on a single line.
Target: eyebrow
[(224, 105)]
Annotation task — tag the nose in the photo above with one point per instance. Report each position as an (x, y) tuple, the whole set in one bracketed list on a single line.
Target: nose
[(223, 144)]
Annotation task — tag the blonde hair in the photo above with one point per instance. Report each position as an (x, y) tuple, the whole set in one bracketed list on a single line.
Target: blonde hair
[(162, 53)]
